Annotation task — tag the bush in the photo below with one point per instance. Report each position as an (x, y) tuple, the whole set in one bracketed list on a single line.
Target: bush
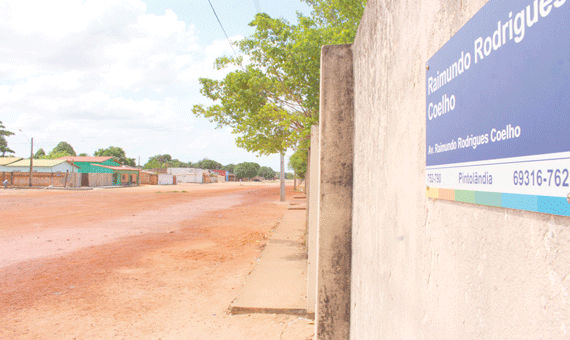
[(246, 170)]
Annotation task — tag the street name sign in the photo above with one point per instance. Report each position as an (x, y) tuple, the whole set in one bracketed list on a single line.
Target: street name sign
[(498, 109)]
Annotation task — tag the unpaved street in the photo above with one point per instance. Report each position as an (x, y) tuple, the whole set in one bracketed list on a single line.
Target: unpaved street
[(136, 263)]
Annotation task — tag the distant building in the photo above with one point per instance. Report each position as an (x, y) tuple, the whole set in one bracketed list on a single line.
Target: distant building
[(224, 173), (40, 165), (8, 160), (188, 175), (123, 175), (46, 172), (93, 175)]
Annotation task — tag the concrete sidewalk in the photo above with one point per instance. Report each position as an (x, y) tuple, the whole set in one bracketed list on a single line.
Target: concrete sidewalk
[(278, 284)]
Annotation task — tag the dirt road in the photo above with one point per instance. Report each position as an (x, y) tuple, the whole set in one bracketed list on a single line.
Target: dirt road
[(137, 263)]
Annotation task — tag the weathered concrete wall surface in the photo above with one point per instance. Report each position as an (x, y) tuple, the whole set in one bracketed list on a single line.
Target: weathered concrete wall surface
[(164, 179), (433, 269), (42, 179), (313, 194), (148, 178), (336, 133), (100, 180)]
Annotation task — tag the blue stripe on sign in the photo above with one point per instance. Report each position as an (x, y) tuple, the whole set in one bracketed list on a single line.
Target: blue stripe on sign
[(553, 205), (521, 202)]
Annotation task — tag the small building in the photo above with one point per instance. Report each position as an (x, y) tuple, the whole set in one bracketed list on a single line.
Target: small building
[(46, 172), (223, 173), (41, 165), (188, 175), (148, 177), (8, 160), (92, 175), (123, 175)]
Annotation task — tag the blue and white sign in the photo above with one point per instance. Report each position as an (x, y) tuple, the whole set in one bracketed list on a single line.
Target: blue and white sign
[(498, 104)]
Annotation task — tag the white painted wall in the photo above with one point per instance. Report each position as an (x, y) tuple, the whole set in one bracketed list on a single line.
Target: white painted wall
[(62, 167), (165, 179), (187, 175), (433, 269)]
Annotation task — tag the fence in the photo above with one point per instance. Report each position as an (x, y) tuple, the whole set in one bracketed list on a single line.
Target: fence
[(148, 178), (43, 179)]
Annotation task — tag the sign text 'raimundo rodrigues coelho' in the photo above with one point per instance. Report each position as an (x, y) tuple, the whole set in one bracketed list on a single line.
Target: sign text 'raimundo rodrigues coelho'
[(498, 101)]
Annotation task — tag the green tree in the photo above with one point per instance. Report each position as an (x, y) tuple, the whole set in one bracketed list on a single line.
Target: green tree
[(298, 162), (266, 172), (158, 161), (230, 167), (246, 170), (83, 154), (40, 154), (271, 101), (208, 164), (175, 163), (4, 146), (3, 142), (117, 153), (344, 14), (62, 149)]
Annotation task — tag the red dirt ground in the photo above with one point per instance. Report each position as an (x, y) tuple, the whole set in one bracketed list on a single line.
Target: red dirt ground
[(153, 262)]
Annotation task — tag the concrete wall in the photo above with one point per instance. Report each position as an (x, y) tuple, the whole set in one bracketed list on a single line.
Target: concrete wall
[(42, 179), (165, 179), (434, 269), (148, 178), (313, 219), (100, 180), (188, 175), (332, 318)]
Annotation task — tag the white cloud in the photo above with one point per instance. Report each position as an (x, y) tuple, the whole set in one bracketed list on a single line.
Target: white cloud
[(97, 73)]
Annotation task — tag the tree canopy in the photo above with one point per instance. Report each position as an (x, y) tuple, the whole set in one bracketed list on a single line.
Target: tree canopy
[(298, 162), (62, 149), (158, 161), (271, 101), (117, 153), (230, 167), (3, 142), (266, 172), (208, 164), (246, 170), (40, 153)]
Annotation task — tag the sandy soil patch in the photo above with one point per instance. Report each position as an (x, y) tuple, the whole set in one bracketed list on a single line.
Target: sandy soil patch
[(137, 263)]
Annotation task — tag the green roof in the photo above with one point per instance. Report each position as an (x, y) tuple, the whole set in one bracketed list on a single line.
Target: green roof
[(8, 160), (39, 162)]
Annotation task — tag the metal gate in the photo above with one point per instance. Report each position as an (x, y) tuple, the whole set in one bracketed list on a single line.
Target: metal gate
[(84, 180)]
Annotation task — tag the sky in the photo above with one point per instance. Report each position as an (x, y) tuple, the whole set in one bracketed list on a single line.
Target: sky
[(124, 73)]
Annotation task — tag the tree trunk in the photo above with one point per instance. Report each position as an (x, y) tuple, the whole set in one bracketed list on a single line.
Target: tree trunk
[(282, 177)]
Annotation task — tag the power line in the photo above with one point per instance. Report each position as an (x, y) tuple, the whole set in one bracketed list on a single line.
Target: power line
[(228, 39)]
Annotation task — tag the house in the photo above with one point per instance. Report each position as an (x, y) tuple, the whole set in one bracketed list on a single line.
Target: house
[(8, 160), (41, 165), (223, 173), (46, 172), (122, 175), (93, 175), (148, 177)]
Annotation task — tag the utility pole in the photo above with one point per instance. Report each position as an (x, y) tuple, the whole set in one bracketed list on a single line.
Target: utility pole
[(31, 156), (31, 161), (282, 177)]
